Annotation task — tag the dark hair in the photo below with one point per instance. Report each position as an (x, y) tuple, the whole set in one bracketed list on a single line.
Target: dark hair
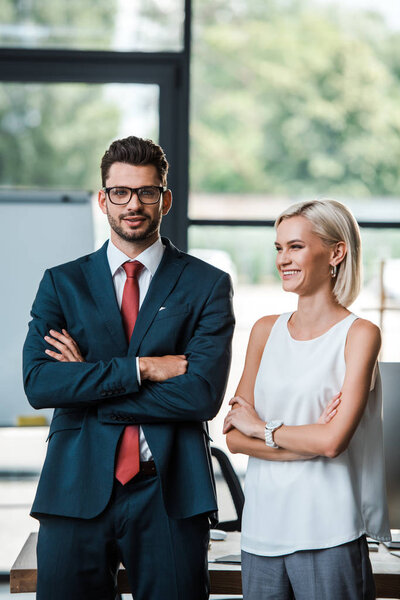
[(135, 151)]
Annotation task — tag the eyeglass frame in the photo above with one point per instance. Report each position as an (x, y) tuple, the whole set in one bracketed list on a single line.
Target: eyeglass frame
[(162, 189)]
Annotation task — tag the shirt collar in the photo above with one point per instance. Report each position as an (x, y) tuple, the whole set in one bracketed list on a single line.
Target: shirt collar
[(150, 258)]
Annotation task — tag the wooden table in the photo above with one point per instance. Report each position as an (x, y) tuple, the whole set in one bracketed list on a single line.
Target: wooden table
[(224, 578)]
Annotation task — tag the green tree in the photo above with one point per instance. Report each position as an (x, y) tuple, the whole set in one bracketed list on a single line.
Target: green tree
[(52, 135), (58, 24), (287, 97)]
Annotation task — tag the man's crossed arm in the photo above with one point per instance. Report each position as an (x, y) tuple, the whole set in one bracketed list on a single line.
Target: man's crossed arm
[(174, 388)]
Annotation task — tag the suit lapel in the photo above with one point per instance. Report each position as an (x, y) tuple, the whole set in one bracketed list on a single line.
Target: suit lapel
[(101, 286), (162, 284)]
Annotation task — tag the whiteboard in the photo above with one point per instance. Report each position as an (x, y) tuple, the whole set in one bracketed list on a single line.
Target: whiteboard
[(38, 229)]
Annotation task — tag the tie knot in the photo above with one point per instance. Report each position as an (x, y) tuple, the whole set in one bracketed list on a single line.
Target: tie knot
[(132, 269)]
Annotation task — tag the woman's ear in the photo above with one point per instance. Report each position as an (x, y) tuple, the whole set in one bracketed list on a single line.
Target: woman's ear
[(338, 253)]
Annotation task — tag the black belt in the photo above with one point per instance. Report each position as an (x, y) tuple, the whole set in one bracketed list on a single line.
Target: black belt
[(148, 467)]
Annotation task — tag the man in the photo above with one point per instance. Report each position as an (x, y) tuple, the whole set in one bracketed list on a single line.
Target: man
[(131, 346)]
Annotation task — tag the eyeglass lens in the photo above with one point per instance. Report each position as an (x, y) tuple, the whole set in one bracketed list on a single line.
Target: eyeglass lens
[(146, 195)]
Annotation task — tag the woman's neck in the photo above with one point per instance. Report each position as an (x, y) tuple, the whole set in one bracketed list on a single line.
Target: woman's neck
[(316, 314)]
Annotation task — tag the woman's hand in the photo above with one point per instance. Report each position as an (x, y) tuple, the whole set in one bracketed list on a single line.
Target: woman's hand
[(65, 344), (244, 418), (330, 410)]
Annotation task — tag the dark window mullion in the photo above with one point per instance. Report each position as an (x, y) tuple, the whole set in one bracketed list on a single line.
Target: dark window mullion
[(270, 223)]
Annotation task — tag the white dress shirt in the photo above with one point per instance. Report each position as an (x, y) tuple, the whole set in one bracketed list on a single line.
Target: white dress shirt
[(150, 259)]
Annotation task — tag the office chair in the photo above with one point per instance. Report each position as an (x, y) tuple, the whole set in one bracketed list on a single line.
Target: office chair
[(236, 491), (235, 488)]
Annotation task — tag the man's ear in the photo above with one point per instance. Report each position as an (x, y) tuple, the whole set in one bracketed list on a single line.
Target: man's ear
[(166, 202), (102, 201)]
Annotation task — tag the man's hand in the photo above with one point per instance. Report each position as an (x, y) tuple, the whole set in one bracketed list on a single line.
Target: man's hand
[(160, 368), (68, 348), (153, 368)]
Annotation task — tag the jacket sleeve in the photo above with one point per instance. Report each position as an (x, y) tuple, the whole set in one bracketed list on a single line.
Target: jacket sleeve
[(51, 384), (196, 395)]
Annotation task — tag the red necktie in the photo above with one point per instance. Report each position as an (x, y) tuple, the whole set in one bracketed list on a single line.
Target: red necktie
[(128, 460)]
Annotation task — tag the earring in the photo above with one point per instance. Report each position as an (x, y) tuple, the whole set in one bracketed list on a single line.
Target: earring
[(333, 271)]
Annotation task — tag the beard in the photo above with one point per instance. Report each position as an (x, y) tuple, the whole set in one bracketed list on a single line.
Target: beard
[(148, 230)]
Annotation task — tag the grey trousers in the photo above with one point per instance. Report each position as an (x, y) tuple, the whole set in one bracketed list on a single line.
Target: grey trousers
[(340, 573)]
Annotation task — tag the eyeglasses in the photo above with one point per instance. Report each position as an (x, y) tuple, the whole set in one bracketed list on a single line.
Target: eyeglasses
[(148, 194)]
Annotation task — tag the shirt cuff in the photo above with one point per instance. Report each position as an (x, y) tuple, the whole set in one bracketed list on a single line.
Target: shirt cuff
[(138, 371)]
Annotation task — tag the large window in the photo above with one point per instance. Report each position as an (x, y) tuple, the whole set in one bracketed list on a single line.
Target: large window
[(294, 100), (120, 25), (53, 135), (74, 76)]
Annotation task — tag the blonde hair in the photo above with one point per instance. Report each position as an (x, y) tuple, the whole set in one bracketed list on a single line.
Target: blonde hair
[(333, 222)]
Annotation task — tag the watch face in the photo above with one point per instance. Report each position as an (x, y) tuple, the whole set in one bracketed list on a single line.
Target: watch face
[(274, 424)]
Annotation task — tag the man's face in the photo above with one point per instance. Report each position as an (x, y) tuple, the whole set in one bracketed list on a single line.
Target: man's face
[(134, 222)]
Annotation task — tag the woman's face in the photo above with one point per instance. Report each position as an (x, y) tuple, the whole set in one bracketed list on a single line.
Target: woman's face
[(303, 260)]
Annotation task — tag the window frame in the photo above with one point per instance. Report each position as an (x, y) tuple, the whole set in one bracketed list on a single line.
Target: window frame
[(169, 70)]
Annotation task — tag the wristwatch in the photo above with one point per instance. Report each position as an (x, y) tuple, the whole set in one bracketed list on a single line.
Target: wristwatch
[(269, 430)]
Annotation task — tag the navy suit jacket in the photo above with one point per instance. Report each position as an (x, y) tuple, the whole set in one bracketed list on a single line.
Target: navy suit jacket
[(94, 400)]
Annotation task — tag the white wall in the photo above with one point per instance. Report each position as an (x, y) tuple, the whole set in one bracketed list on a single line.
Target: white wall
[(37, 230)]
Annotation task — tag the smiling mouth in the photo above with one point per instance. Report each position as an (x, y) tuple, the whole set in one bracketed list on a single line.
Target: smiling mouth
[(134, 220), (290, 273)]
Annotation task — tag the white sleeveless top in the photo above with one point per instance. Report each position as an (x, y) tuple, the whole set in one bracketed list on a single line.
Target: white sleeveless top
[(322, 502)]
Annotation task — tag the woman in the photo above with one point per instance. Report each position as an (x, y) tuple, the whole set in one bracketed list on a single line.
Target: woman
[(307, 411)]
